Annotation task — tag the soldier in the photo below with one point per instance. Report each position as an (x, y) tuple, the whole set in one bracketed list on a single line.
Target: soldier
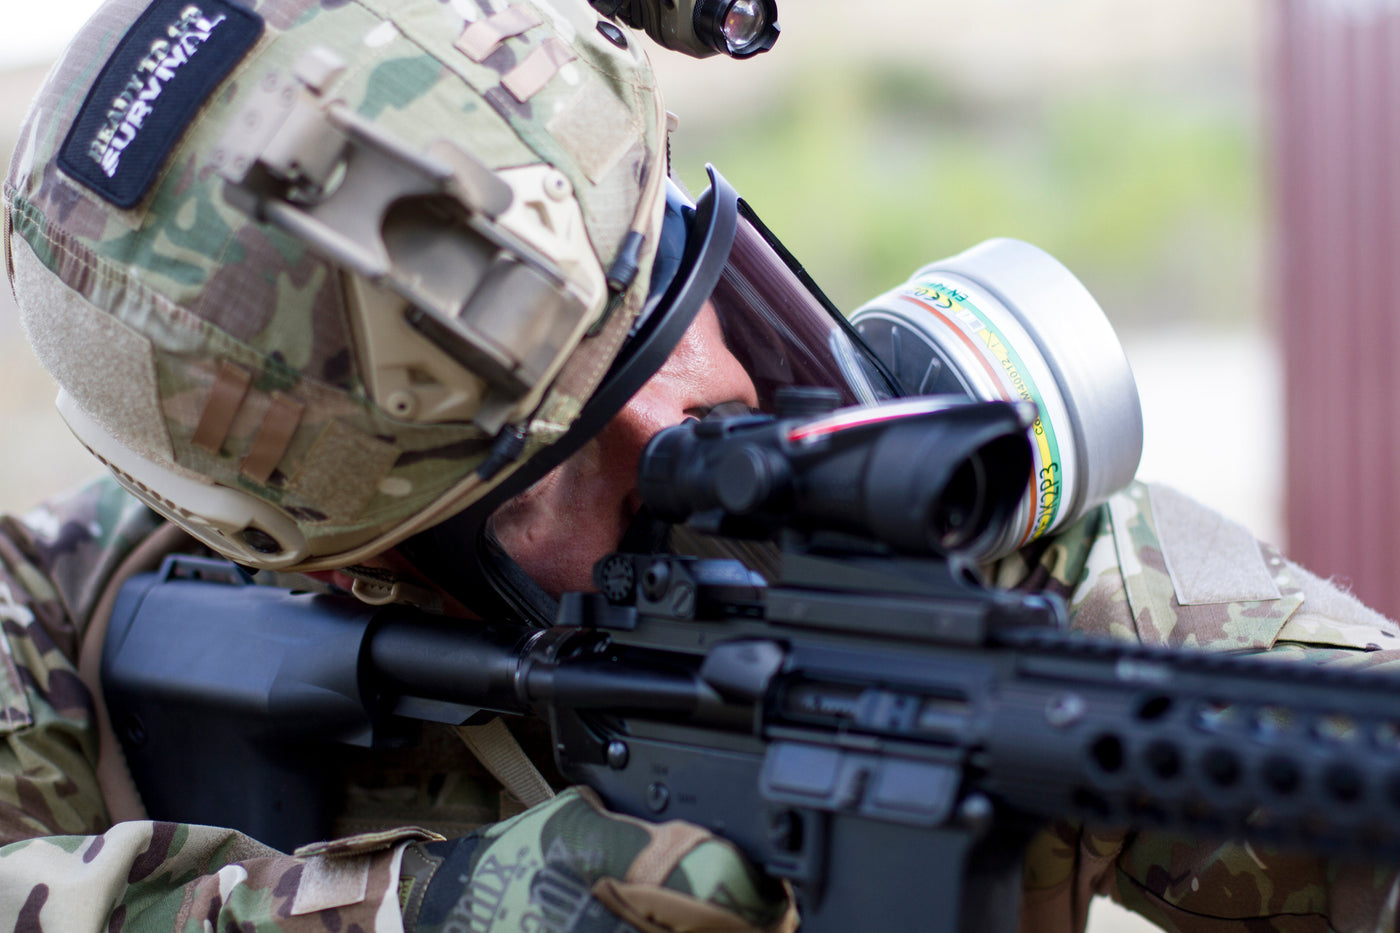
[(394, 292), (510, 161)]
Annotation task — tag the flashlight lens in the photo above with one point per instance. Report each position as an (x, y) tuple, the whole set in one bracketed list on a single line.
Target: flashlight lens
[(738, 28), (744, 22)]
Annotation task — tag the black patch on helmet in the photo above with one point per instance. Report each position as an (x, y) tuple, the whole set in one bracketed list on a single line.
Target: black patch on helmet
[(158, 77)]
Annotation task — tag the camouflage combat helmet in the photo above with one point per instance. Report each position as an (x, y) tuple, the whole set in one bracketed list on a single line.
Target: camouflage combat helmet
[(314, 276)]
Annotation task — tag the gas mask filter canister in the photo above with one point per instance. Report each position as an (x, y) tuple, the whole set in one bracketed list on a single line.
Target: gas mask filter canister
[(1005, 320)]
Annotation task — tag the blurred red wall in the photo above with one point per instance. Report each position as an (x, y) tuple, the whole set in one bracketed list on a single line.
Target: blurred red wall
[(1335, 74)]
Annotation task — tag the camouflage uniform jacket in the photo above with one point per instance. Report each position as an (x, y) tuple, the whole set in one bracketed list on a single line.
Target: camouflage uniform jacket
[(69, 868)]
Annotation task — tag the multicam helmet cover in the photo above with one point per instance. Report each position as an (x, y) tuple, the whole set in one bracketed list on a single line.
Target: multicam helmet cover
[(313, 277)]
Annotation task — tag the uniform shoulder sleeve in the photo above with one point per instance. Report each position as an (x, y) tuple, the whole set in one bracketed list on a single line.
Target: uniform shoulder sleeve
[(59, 557), (1168, 571), (53, 565)]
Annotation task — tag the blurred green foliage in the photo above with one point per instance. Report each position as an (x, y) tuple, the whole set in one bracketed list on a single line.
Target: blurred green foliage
[(1151, 196)]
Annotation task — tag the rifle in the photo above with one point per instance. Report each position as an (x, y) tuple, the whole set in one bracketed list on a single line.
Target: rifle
[(874, 725)]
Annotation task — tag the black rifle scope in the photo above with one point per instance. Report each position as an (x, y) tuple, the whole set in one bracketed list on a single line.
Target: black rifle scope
[(928, 475)]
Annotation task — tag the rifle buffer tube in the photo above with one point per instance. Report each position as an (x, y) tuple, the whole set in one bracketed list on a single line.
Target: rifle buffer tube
[(506, 670)]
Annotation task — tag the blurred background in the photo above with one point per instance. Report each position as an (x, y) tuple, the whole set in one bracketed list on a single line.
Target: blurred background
[(1220, 175)]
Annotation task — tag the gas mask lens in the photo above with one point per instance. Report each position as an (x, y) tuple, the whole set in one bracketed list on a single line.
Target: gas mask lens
[(774, 319)]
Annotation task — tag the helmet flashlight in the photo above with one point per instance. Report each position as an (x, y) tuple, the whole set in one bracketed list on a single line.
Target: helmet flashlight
[(737, 28)]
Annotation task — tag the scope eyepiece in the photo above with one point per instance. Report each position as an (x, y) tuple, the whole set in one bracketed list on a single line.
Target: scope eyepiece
[(1006, 320)]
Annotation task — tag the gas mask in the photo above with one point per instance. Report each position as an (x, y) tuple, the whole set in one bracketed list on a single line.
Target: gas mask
[(1003, 321)]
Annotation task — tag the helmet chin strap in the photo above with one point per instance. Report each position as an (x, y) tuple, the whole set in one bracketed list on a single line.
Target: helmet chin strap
[(523, 600)]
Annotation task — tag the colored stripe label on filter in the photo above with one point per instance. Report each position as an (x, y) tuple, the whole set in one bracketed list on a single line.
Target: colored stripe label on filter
[(1007, 371)]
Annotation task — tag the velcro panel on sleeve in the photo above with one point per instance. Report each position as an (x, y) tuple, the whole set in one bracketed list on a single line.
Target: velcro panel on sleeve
[(1334, 618), (1211, 559), (1217, 608), (366, 843), (331, 882)]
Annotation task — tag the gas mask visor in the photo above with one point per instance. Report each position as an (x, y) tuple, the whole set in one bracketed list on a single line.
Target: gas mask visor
[(784, 330), (796, 347), (775, 320)]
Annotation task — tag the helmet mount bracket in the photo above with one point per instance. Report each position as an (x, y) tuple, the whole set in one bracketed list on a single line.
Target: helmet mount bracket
[(458, 310)]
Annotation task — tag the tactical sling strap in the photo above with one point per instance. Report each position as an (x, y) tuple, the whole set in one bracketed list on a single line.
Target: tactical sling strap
[(492, 744), (495, 747)]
